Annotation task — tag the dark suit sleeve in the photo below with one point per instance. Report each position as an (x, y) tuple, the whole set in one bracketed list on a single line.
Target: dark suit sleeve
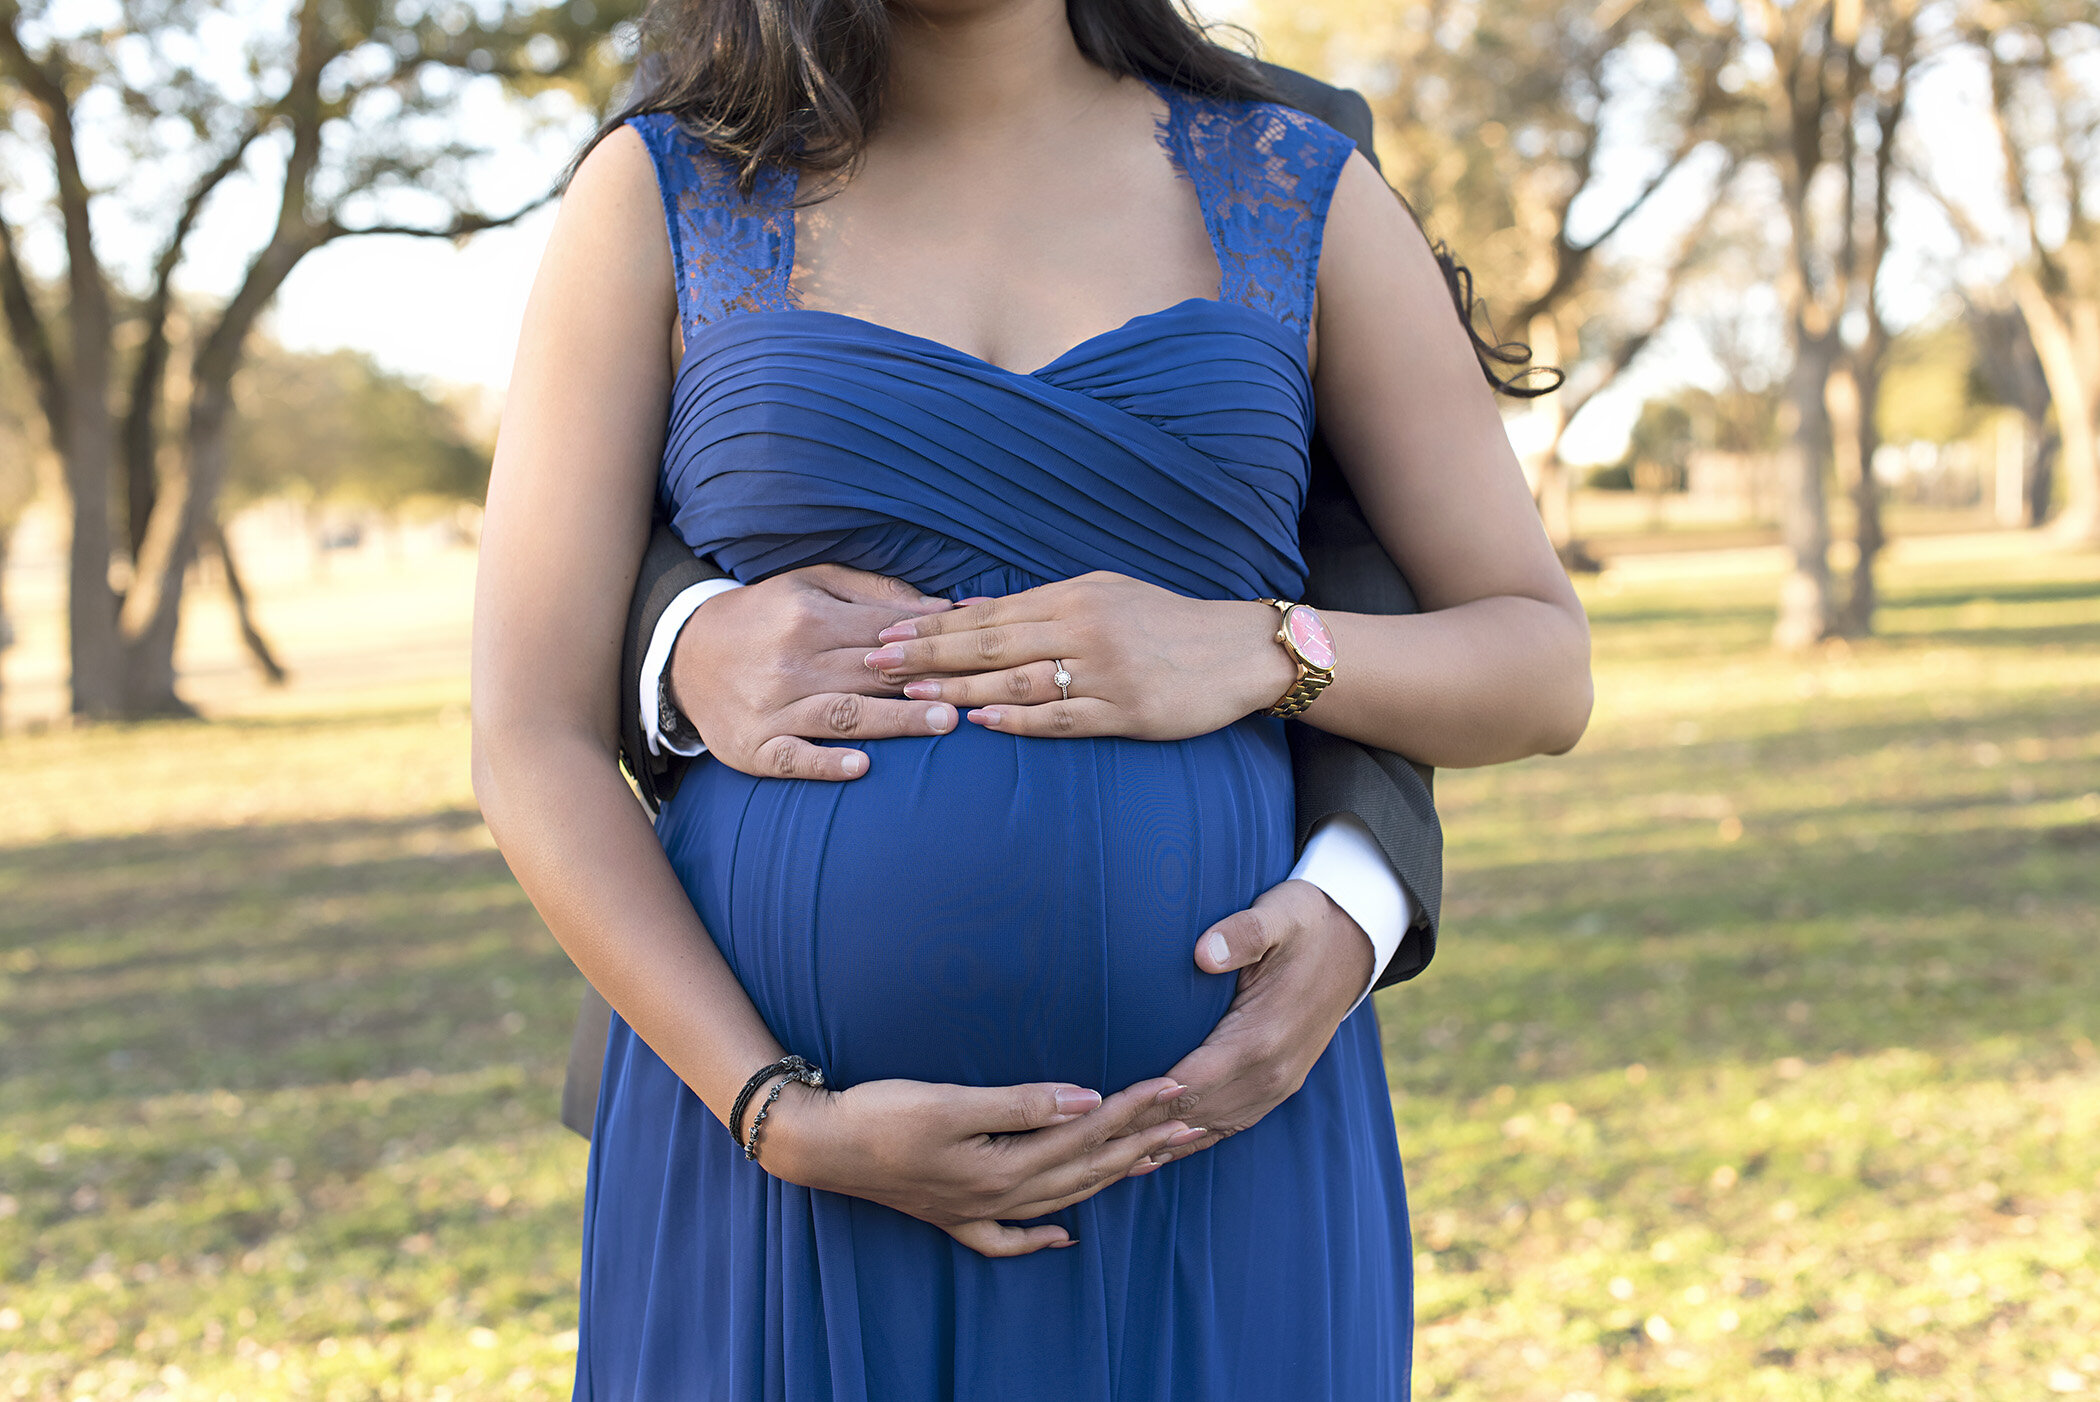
[(668, 570), (1348, 570)]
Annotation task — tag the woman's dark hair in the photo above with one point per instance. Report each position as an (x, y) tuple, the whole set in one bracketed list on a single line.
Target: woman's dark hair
[(799, 83)]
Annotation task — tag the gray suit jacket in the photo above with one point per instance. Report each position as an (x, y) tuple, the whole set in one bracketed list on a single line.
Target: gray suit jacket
[(1348, 571)]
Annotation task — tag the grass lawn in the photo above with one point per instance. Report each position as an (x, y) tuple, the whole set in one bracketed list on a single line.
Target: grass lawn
[(1758, 1061)]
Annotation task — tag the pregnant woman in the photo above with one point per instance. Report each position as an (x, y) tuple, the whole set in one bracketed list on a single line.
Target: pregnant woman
[(1029, 303)]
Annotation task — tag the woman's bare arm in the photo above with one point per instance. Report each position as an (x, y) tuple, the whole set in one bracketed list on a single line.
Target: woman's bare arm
[(1496, 666), (568, 514)]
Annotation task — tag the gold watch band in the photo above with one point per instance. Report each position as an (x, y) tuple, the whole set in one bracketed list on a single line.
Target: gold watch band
[(1311, 680)]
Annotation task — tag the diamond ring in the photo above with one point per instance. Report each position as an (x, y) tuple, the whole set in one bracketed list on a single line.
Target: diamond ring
[(1063, 680)]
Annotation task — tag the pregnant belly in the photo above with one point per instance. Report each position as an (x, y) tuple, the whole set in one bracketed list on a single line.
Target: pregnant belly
[(984, 908)]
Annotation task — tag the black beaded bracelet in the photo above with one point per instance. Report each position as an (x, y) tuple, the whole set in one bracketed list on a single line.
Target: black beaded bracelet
[(788, 1068)]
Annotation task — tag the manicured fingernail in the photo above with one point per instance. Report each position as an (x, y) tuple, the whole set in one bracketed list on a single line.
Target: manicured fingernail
[(1171, 1092), (1061, 1245), (1185, 1136), (884, 657), (1160, 1160), (986, 717), (923, 691), (853, 763), (1147, 1166), (898, 632), (1076, 1102), (1214, 945), (974, 599), (940, 719)]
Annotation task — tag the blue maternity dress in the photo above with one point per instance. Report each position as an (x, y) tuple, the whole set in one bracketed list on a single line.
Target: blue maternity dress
[(984, 908)]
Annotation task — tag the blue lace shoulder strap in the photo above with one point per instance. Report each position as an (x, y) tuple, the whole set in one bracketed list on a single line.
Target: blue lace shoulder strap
[(729, 254), (1264, 175)]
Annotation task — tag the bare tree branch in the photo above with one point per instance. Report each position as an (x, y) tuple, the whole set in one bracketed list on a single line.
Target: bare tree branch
[(31, 337), (149, 374), (1630, 347), (464, 225)]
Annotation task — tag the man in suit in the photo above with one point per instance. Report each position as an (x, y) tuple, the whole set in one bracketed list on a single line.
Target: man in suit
[(1368, 884)]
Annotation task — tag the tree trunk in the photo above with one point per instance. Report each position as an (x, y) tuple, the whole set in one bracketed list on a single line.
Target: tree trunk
[(1806, 611), (1861, 386), (91, 606), (7, 628), (2072, 389), (2041, 470), (2079, 453), (258, 646), (1550, 490), (153, 610)]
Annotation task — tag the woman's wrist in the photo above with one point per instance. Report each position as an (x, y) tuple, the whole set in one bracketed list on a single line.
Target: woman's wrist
[(798, 1138)]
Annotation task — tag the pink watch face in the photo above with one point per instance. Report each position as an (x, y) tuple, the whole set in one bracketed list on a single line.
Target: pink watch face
[(1309, 634)]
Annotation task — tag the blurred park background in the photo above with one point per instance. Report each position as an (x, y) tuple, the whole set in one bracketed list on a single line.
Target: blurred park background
[(1758, 1061)]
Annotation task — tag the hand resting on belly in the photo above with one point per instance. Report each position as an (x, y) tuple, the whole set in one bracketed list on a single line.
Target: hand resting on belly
[(766, 670)]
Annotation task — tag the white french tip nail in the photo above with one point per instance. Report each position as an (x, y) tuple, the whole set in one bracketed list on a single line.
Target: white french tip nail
[(937, 718)]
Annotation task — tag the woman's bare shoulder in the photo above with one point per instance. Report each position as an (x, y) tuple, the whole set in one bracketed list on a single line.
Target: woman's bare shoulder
[(614, 191), (609, 245), (1373, 251)]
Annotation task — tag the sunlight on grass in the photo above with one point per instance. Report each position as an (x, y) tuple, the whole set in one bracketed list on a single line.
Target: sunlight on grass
[(1757, 1062)]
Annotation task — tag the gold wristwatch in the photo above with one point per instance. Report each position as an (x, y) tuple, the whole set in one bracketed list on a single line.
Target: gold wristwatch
[(1305, 637)]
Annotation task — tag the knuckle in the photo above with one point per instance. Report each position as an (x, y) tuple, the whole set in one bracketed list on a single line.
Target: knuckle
[(1276, 1081), (1017, 684), (778, 756), (991, 644), (1063, 721), (844, 714)]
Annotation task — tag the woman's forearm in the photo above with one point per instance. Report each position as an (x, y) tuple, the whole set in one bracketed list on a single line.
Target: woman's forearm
[(588, 859), (1496, 679)]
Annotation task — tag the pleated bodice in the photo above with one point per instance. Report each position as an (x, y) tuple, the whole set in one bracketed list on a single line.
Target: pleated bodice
[(1172, 447)]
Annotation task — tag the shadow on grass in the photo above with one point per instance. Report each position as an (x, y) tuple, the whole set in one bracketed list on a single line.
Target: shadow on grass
[(260, 957), (274, 957), (1755, 951)]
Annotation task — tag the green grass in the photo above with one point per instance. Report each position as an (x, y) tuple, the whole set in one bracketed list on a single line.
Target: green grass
[(1758, 1061)]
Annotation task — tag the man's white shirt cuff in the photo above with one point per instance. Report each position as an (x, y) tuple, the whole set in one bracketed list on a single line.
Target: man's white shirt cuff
[(658, 657), (1345, 861)]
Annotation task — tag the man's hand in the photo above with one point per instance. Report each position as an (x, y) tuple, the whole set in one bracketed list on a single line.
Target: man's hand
[(763, 671), (1303, 964)]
